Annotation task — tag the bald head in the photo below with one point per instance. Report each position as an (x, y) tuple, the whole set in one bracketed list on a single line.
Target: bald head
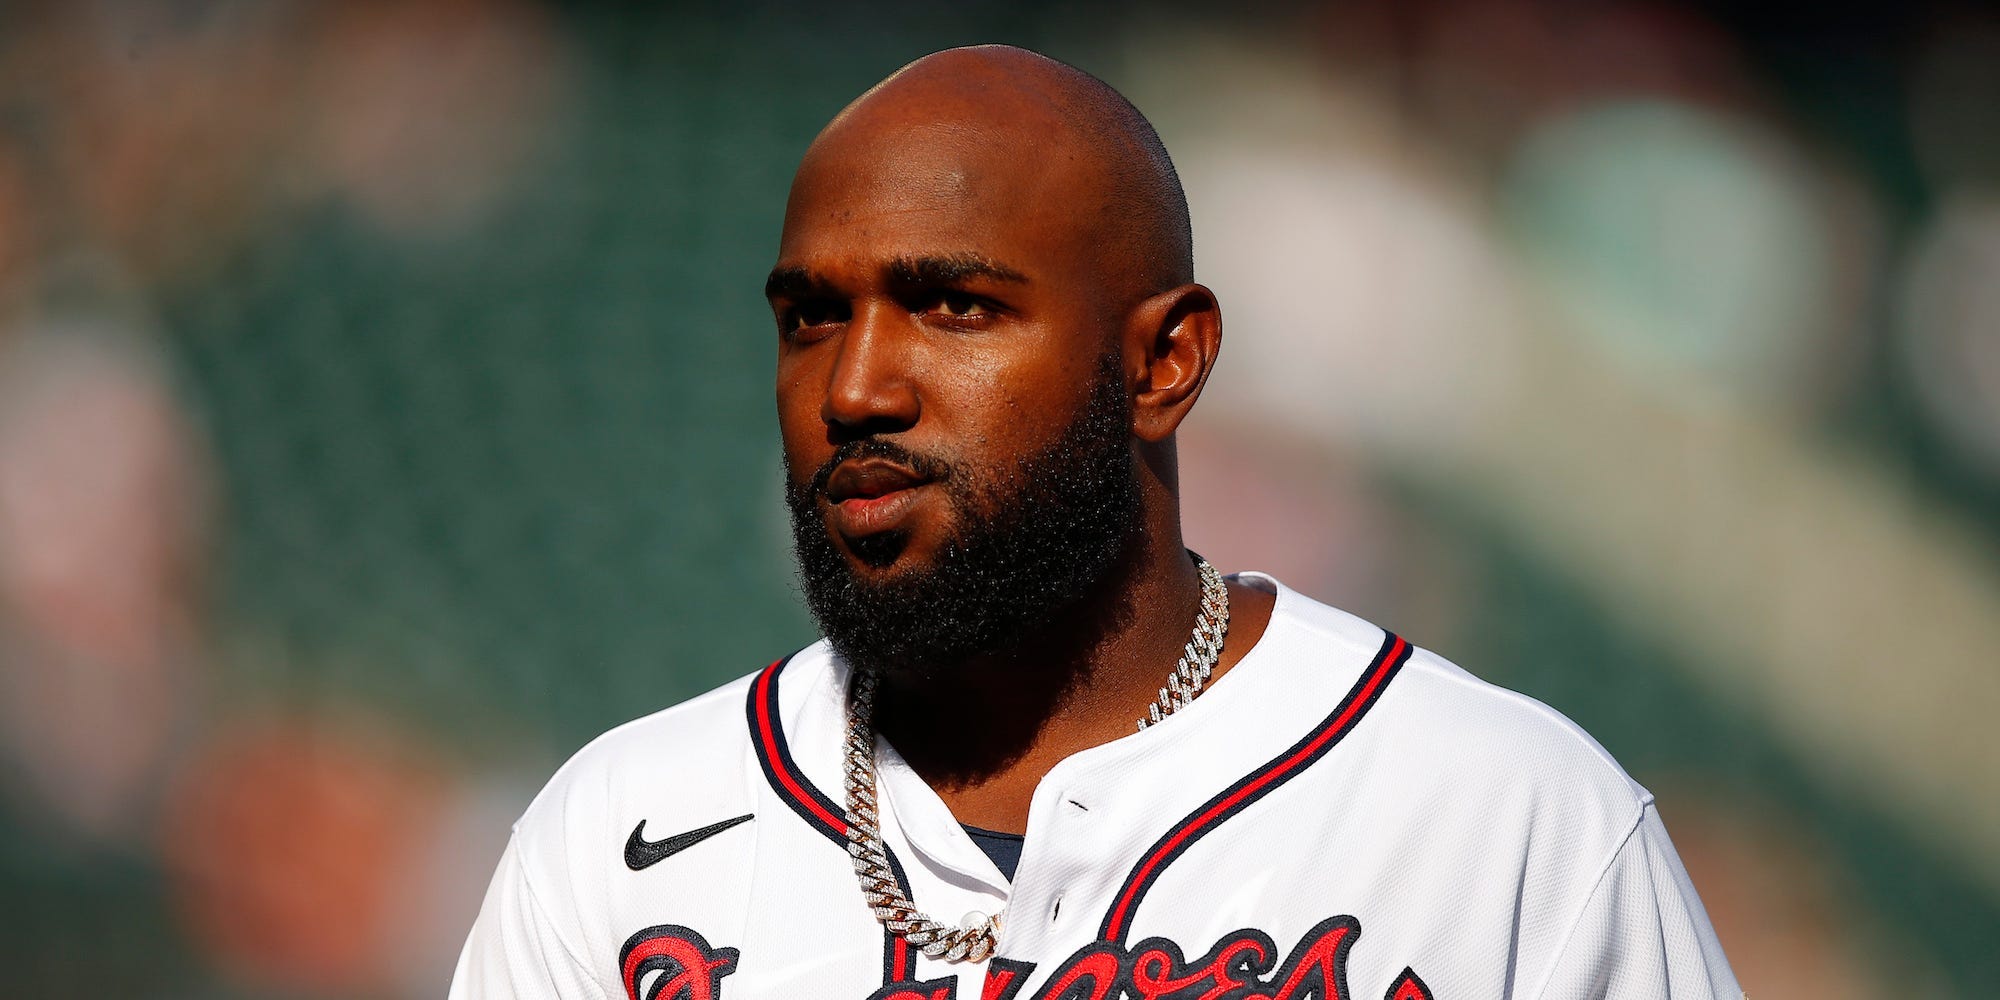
[(1039, 141)]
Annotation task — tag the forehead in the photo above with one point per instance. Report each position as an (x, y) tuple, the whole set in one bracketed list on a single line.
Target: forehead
[(874, 193)]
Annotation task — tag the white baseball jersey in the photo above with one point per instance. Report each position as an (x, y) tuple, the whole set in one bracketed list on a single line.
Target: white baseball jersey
[(1342, 815)]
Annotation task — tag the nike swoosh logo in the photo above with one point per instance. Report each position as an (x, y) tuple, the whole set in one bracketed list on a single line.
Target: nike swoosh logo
[(641, 853)]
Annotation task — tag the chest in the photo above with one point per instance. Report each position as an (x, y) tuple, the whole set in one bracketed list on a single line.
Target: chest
[(1271, 901)]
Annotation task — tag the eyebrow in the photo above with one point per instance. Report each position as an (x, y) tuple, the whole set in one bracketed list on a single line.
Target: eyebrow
[(792, 283), (950, 269), (926, 270)]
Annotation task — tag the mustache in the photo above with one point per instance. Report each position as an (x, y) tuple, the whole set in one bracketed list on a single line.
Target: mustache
[(925, 466)]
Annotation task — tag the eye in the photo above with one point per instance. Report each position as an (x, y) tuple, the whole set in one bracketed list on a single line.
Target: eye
[(810, 319), (960, 305)]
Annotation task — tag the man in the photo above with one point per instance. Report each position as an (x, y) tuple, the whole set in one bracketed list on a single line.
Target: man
[(1045, 751)]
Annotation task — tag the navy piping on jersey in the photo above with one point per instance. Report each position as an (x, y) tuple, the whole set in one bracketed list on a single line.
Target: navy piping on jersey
[(775, 756), (1234, 799)]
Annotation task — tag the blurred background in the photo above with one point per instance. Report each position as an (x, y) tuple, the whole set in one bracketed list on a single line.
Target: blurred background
[(385, 410)]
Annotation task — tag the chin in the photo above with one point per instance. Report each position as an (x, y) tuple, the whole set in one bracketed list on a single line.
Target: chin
[(878, 553)]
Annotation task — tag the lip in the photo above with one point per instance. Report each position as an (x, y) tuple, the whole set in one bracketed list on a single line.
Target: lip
[(868, 479), (858, 517), (867, 496)]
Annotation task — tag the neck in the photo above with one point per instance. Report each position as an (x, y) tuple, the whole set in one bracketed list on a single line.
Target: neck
[(1082, 681)]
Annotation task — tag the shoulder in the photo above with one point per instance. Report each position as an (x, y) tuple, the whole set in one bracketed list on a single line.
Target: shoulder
[(1489, 728), (1460, 744), (686, 765), (1498, 809), (1496, 766), (583, 867)]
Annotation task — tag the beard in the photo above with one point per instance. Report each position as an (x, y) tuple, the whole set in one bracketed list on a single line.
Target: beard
[(1030, 544)]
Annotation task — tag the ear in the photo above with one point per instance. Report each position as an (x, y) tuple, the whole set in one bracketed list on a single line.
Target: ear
[(1171, 342)]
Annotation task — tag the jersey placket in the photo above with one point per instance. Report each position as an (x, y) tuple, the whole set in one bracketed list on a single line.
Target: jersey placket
[(952, 880), (1098, 813), (806, 715)]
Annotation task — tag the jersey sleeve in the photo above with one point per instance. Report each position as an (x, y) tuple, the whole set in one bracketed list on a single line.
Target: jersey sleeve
[(516, 951), (1643, 932)]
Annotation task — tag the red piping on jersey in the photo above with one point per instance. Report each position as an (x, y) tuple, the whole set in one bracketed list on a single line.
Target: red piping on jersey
[(814, 807), (1387, 661), (781, 764)]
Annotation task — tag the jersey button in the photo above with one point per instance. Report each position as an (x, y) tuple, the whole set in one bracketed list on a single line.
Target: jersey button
[(974, 920)]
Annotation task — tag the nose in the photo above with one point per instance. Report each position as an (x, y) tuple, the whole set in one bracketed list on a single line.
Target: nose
[(869, 390)]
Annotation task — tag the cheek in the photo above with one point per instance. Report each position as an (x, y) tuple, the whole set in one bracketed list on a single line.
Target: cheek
[(1017, 369), (1013, 403), (800, 463), (801, 434)]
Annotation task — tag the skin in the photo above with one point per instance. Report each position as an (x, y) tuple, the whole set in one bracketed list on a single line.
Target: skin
[(952, 268)]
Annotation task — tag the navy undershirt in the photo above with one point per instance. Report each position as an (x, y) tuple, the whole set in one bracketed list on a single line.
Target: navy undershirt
[(1003, 848)]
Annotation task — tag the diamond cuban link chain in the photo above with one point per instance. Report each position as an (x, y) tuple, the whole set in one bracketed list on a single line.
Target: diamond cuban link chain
[(1197, 663), (892, 907)]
